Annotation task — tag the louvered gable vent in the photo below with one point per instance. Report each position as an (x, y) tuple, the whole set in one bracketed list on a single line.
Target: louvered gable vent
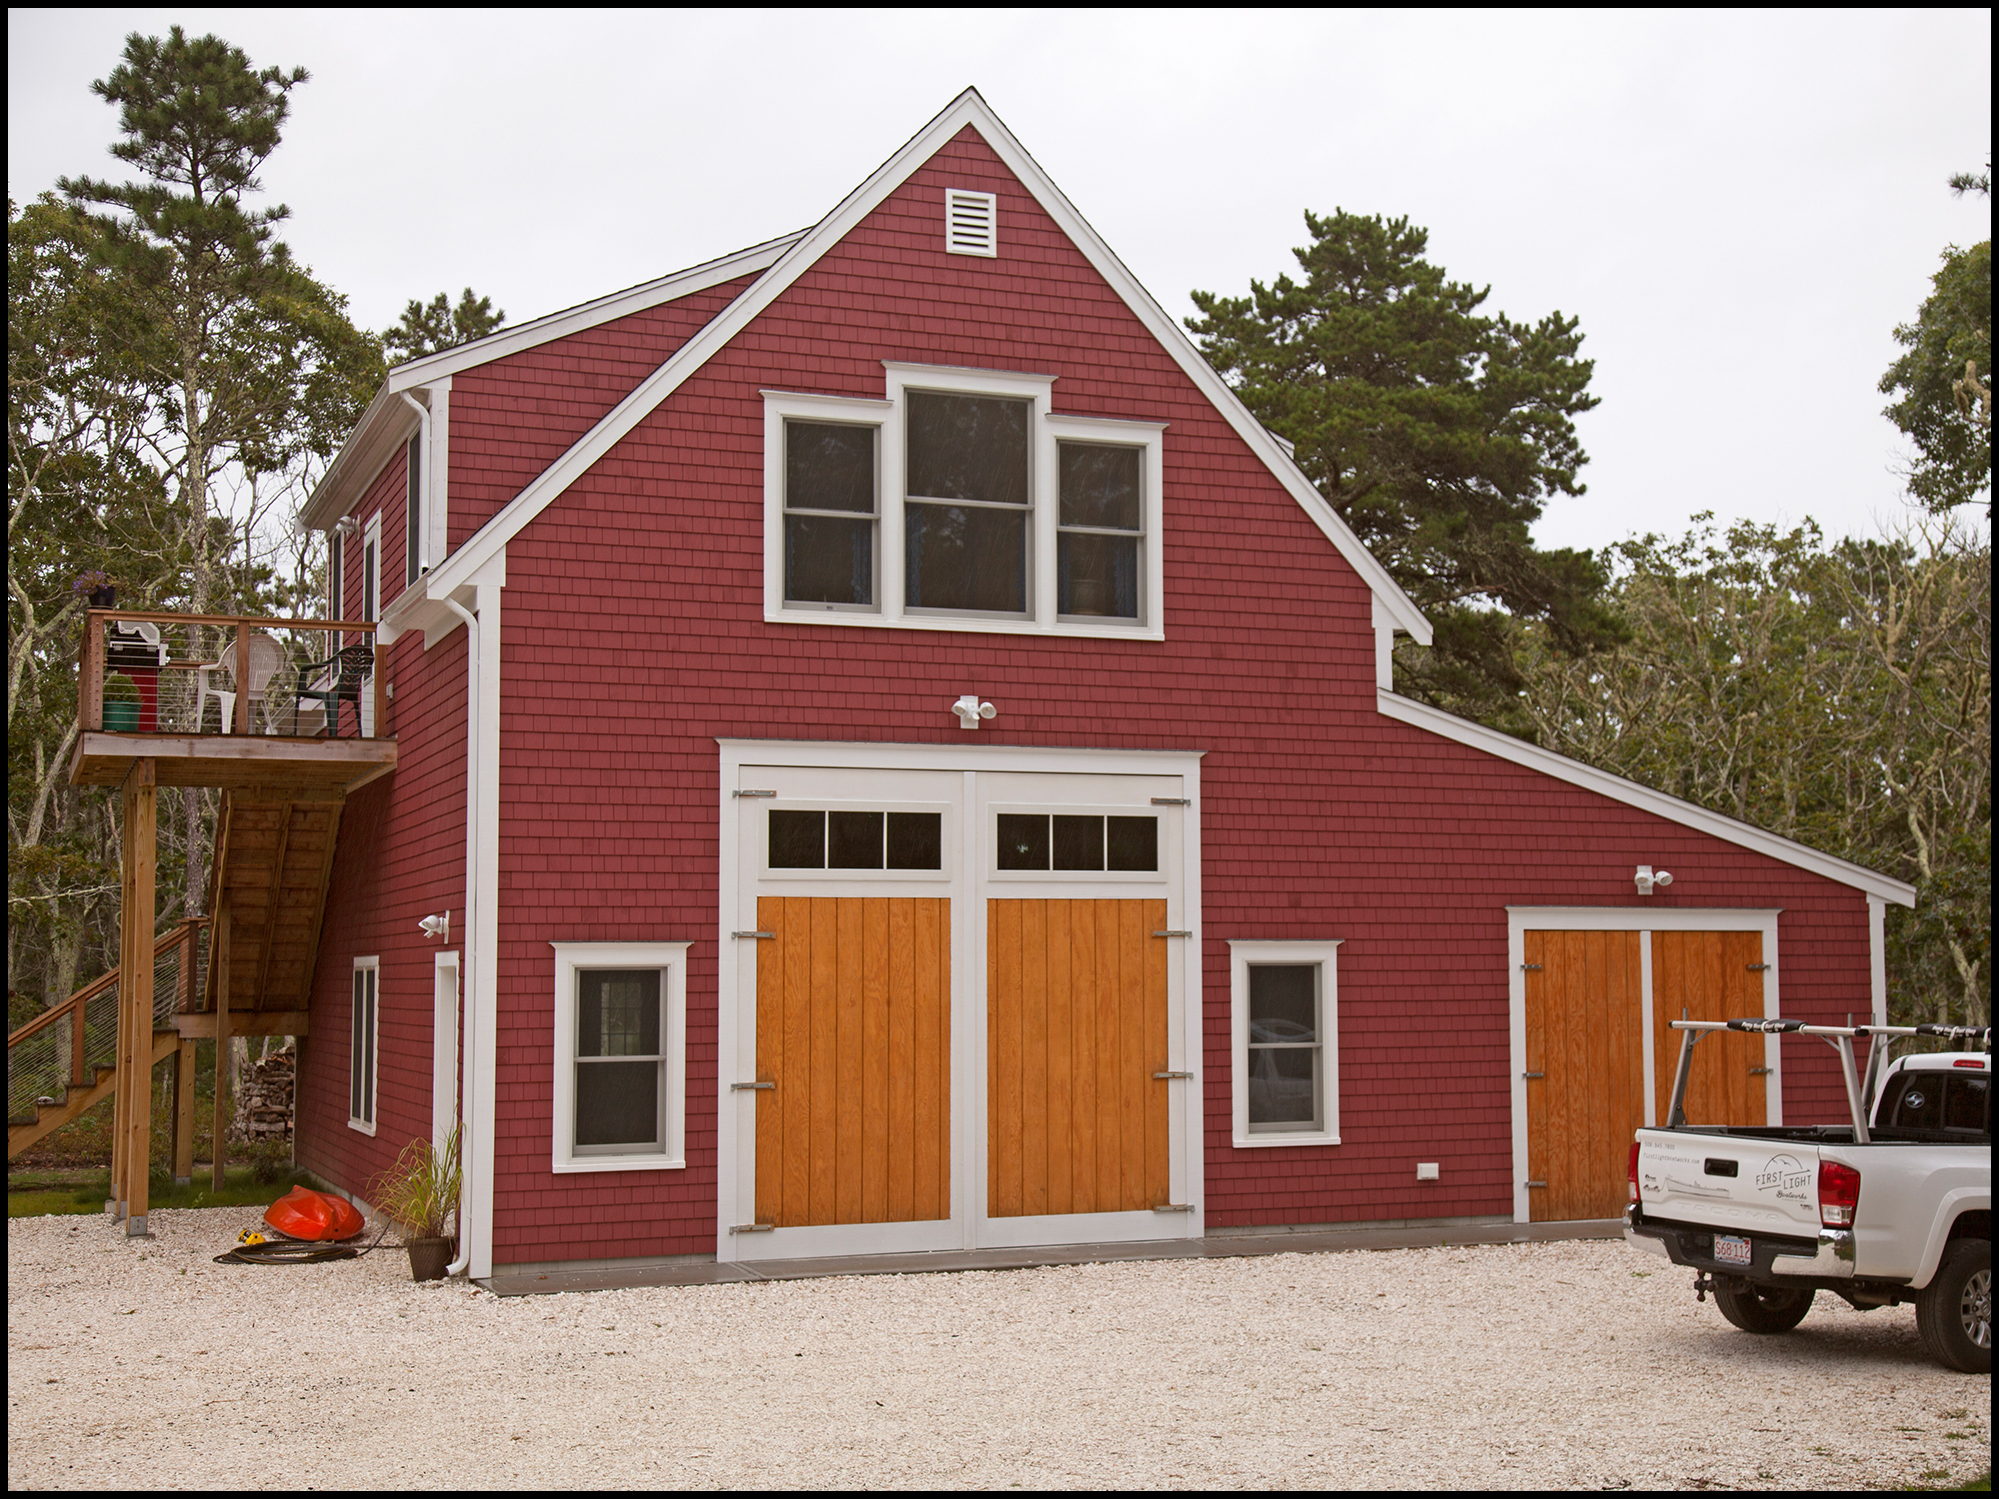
[(971, 223)]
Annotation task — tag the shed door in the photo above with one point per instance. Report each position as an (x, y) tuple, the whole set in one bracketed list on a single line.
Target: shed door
[(1710, 976), (1585, 1071), (854, 1030), (1076, 1013)]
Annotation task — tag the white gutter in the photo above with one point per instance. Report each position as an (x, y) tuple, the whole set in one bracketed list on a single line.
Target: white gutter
[(423, 493)]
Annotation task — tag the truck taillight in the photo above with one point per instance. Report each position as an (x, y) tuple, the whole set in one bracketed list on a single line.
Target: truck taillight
[(1839, 1194), (1634, 1172)]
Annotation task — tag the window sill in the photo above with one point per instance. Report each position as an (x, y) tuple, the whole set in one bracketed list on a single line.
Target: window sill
[(1257, 1142), (968, 625), (361, 1127), (619, 1163)]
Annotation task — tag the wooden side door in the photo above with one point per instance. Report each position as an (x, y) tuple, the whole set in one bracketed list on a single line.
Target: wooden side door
[(854, 1029), (1585, 1071), (1076, 1012), (1710, 976)]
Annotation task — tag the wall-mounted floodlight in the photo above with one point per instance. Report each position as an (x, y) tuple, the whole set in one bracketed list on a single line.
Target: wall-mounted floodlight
[(1645, 879), (970, 710), (347, 525), (437, 926)]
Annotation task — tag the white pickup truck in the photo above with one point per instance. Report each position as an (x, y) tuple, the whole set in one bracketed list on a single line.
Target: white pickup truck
[(1894, 1207)]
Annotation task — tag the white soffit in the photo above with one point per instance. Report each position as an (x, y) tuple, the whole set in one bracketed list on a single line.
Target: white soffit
[(967, 109), (1644, 798), (366, 439)]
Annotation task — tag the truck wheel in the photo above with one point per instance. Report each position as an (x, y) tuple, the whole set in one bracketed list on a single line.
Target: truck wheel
[(1954, 1311), (1755, 1308)]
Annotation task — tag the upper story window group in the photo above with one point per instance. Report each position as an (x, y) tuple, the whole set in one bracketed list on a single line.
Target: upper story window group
[(961, 502)]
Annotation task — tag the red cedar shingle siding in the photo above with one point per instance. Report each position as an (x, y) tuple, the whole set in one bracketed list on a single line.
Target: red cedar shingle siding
[(634, 638), (514, 417)]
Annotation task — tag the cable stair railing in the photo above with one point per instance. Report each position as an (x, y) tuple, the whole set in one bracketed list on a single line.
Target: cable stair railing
[(64, 1061)]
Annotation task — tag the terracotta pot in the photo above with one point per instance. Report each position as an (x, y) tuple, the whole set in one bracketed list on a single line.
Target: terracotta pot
[(428, 1257)]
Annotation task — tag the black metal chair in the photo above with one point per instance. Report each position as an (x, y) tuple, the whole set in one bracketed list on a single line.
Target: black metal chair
[(344, 673)]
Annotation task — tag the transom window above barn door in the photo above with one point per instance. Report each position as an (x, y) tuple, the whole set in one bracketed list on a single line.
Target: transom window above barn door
[(963, 501), (1068, 843), (854, 840)]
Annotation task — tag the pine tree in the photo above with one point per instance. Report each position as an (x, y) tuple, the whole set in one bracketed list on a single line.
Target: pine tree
[(436, 326)]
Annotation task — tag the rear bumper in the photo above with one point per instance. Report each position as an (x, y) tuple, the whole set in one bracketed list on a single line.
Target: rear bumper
[(1773, 1258)]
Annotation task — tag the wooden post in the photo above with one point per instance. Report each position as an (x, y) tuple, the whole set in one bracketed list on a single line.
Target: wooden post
[(90, 697), (135, 993), (218, 956), (184, 1113), (242, 673), (79, 1072)]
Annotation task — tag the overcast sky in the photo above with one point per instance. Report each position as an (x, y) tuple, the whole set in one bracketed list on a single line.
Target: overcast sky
[(1740, 207)]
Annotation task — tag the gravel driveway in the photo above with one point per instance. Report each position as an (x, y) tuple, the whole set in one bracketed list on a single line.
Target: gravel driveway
[(1545, 1365)]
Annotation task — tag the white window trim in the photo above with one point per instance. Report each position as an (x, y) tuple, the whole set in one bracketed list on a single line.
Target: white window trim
[(1643, 920), (374, 1093), (996, 875), (371, 563), (1244, 954), (671, 958), (1047, 429), (947, 863)]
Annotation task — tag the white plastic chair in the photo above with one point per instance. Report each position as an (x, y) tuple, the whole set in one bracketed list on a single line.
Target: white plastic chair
[(266, 656)]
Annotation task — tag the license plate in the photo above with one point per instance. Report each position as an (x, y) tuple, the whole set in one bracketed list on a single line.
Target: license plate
[(1730, 1250)]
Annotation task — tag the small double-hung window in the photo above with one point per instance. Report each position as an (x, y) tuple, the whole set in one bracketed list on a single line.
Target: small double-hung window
[(961, 501), (363, 1032), (829, 514), (1285, 999), (620, 1055)]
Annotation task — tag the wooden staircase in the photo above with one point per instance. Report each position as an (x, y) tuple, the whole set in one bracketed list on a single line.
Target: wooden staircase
[(64, 1060), (252, 976)]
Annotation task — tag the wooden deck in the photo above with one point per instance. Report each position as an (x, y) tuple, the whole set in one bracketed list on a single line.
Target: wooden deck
[(105, 759)]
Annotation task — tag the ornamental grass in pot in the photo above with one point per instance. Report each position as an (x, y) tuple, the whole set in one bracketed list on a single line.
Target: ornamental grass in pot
[(121, 704), (420, 1193)]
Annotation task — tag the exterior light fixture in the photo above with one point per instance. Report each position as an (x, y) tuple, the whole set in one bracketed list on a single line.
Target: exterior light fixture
[(436, 926), (1645, 879), (347, 525), (970, 710)]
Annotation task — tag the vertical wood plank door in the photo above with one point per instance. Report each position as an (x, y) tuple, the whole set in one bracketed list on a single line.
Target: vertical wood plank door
[(1076, 1017), (854, 1028), (1585, 1037), (1710, 976)]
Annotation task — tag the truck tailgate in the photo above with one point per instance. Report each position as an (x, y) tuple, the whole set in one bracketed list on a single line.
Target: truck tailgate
[(1729, 1181)]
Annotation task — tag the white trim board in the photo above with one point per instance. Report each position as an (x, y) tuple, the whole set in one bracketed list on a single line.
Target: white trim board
[(1617, 788), (1522, 919), (967, 109), (341, 488)]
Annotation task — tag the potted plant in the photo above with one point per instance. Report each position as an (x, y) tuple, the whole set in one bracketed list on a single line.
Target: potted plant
[(420, 1192), (121, 703), (97, 588)]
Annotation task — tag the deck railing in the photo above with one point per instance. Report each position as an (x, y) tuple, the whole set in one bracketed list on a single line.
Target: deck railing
[(150, 673)]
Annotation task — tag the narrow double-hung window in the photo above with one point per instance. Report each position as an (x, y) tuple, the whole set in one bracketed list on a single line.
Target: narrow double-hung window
[(336, 554), (363, 1029), (829, 514), (413, 509), (1101, 528), (620, 1062), (1286, 1078), (965, 520)]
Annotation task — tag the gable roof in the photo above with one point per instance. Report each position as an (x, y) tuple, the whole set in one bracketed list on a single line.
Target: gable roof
[(967, 109), (389, 420), (1644, 798)]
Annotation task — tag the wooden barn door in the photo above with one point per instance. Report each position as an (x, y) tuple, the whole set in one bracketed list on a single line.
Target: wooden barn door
[(1076, 1015), (1585, 1071), (1710, 976), (854, 1029)]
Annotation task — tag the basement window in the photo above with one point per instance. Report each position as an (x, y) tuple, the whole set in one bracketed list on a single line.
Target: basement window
[(1284, 998), (620, 1056), (364, 1028)]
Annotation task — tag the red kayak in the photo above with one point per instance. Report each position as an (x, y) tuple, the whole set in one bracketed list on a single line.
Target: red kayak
[(304, 1214)]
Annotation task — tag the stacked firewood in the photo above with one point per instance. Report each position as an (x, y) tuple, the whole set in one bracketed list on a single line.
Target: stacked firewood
[(264, 1099)]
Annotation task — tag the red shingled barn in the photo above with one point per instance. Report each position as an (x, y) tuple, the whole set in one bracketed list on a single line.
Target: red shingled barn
[(765, 942)]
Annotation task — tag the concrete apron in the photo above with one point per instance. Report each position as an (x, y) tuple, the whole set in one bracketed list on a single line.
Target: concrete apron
[(533, 1281)]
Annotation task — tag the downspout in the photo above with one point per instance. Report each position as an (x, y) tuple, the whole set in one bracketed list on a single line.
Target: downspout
[(423, 492), (473, 917)]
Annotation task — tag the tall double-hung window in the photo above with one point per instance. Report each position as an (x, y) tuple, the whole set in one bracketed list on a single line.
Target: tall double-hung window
[(962, 501)]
